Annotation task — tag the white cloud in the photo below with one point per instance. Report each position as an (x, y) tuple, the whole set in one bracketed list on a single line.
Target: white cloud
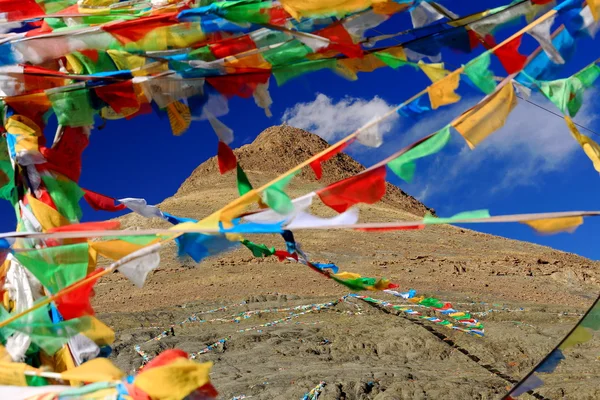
[(532, 143), (332, 121)]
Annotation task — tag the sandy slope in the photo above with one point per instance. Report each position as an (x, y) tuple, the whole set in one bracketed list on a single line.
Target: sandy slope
[(399, 358)]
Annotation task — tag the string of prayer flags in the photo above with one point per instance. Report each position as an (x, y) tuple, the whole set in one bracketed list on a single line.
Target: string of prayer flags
[(486, 117)]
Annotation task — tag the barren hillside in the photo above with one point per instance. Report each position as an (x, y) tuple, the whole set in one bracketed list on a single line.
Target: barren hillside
[(447, 262)]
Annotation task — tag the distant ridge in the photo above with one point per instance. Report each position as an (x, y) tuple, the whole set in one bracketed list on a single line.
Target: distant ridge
[(278, 149)]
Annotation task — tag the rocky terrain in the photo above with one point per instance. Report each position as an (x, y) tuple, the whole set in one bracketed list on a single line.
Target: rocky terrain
[(360, 351)]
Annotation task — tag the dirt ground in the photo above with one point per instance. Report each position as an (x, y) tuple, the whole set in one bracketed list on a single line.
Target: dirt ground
[(360, 351)]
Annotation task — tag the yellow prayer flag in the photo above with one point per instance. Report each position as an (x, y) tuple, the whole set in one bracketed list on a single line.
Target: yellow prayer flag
[(246, 61), (594, 6), (589, 146), (4, 356), (74, 65), (180, 117), (95, 370), (13, 374), (555, 225), (579, 335), (313, 8), (389, 7), (125, 60), (486, 117), (442, 93), (26, 131), (175, 380), (114, 249), (347, 275), (368, 63), (99, 333), (97, 3), (47, 216), (434, 71)]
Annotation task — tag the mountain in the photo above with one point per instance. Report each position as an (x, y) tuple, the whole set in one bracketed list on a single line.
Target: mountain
[(447, 262)]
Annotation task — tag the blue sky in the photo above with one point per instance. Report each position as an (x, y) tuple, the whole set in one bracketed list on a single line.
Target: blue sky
[(531, 165)]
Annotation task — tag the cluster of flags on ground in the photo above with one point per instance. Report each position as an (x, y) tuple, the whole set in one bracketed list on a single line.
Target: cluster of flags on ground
[(90, 59)]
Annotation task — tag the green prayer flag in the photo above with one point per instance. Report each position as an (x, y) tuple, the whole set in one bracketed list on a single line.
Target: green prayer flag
[(73, 108), (66, 195), (431, 302), (275, 197), (57, 267), (404, 165), (356, 284), (7, 174), (243, 184), (478, 71), (285, 73), (476, 214), (588, 75), (203, 53), (286, 54), (566, 94), (49, 336), (254, 12), (101, 63), (259, 250), (391, 60)]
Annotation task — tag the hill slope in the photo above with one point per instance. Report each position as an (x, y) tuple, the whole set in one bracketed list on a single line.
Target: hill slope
[(404, 359)]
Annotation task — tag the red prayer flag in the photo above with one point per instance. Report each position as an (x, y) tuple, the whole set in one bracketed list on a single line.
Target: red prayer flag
[(119, 95), (226, 158), (316, 164), (65, 156), (242, 85), (76, 303), (232, 46), (20, 9), (368, 187), (136, 29), (509, 56), (166, 358), (278, 16), (341, 41), (283, 255), (541, 1), (100, 202), (87, 226)]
